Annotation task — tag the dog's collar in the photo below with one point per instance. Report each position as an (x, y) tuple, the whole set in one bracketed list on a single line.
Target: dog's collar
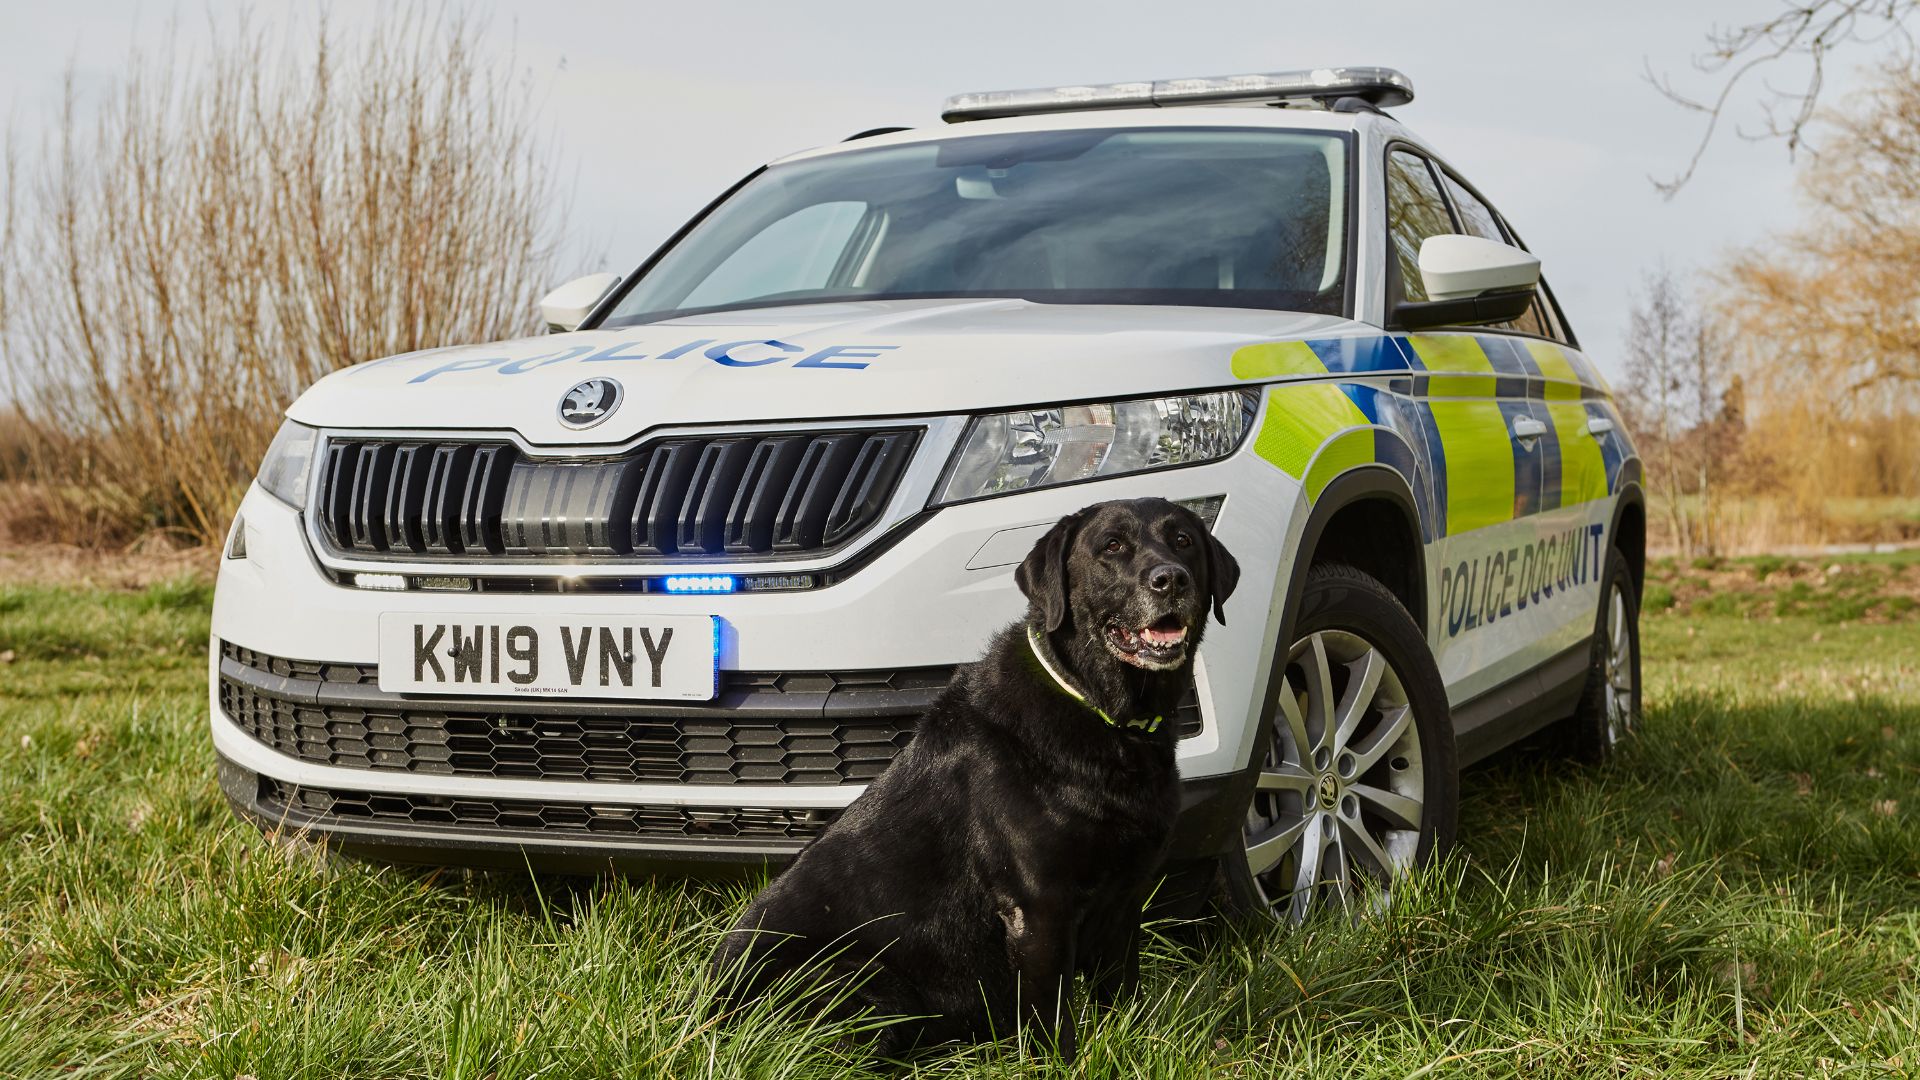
[(1148, 726)]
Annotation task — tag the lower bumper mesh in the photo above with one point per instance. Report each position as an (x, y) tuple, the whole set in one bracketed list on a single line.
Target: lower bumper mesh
[(322, 807)]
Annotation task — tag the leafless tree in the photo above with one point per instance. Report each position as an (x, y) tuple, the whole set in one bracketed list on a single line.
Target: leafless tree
[(1676, 391), (1808, 32), (221, 228)]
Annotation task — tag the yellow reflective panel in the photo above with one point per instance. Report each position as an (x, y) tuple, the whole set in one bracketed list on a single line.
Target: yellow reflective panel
[(1451, 352), (1461, 386), (1275, 359), (1563, 382), (1299, 419), (1343, 453), (1473, 435), (1583, 468)]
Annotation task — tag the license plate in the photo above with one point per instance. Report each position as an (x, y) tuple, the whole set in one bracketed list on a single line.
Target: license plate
[(671, 657)]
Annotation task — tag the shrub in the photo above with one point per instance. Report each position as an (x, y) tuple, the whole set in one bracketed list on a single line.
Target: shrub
[(186, 253)]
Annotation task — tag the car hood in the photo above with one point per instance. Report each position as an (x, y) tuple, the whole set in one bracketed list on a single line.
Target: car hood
[(821, 361)]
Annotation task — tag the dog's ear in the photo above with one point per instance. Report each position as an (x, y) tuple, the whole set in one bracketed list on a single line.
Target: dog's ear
[(1223, 573), (1042, 576)]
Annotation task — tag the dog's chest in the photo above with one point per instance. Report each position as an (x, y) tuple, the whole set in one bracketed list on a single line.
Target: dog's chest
[(1112, 812)]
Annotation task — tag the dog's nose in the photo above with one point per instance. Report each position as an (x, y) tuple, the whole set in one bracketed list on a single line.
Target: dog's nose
[(1168, 577)]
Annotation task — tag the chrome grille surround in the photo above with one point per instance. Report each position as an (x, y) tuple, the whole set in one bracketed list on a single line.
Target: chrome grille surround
[(934, 442)]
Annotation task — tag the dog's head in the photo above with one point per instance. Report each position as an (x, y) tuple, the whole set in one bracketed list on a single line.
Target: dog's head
[(1140, 574)]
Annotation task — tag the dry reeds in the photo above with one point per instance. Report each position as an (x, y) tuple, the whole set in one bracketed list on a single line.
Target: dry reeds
[(186, 253)]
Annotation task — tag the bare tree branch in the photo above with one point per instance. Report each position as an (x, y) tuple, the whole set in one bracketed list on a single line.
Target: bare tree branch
[(1809, 31)]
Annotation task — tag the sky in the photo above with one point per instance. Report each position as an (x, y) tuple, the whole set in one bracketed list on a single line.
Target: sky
[(658, 106)]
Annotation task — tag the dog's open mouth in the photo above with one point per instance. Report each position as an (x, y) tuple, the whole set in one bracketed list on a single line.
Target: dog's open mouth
[(1160, 644)]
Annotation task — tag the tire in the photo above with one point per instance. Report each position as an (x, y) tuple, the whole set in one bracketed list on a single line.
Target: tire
[(1375, 790), (1609, 709)]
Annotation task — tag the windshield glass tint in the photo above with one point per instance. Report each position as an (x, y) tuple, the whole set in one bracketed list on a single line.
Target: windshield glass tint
[(1236, 218)]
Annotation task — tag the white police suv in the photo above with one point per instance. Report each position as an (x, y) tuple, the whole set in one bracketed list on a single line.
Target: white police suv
[(666, 587)]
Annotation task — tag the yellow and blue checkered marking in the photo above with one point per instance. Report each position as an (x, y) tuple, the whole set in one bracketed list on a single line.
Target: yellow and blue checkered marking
[(1443, 421)]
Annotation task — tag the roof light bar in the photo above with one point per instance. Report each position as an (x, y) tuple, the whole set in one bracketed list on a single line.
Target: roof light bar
[(1375, 85)]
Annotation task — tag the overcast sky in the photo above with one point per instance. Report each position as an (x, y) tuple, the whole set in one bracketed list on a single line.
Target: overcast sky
[(658, 106)]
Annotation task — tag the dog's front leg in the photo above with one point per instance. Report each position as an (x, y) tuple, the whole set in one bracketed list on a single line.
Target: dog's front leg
[(1117, 971), (1110, 949), (1040, 948)]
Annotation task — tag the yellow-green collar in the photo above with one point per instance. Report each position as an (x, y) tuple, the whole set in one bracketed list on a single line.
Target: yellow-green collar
[(1149, 726)]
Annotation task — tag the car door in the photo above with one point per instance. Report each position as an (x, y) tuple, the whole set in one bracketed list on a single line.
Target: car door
[(1489, 452), (1560, 452)]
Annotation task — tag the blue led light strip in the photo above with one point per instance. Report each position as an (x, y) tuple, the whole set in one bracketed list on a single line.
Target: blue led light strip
[(701, 583)]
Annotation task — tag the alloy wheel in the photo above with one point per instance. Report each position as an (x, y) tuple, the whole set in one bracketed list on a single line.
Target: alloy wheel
[(1622, 703), (1338, 806)]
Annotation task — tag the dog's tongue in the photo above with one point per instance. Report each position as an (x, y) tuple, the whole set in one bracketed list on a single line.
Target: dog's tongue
[(1164, 633)]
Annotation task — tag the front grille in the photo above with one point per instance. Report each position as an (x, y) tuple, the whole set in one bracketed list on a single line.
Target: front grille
[(733, 496), (300, 806)]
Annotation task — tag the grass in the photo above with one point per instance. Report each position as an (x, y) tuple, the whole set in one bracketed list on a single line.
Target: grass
[(1883, 588), (1738, 895)]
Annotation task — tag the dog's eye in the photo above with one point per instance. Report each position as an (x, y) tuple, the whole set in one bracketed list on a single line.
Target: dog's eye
[(1182, 540), (1112, 546)]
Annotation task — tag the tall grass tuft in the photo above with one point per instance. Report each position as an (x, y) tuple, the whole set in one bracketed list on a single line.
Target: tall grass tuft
[(222, 225)]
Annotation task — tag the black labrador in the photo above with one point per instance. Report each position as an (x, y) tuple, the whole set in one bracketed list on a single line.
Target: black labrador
[(1014, 841)]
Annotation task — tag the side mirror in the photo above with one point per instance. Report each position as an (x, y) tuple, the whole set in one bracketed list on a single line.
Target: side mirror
[(566, 307), (1470, 280)]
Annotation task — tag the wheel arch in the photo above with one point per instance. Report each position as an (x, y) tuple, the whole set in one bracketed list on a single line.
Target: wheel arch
[(1630, 533), (1370, 517)]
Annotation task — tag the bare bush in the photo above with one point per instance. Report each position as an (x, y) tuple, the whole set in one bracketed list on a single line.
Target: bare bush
[(220, 229)]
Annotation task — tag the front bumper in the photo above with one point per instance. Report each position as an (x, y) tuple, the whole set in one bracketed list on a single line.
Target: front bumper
[(522, 834), (925, 600)]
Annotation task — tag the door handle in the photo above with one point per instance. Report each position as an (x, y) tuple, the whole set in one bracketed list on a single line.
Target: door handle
[(1599, 425), (1526, 427)]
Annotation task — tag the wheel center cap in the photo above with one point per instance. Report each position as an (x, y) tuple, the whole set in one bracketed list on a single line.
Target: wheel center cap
[(1329, 792)]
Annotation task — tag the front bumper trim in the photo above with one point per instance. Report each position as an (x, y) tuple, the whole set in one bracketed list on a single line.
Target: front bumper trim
[(1211, 812)]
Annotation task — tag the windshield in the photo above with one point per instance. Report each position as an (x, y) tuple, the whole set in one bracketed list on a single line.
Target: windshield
[(1221, 217)]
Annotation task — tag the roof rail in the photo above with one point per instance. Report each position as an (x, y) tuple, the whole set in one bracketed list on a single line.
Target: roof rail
[(1377, 86)]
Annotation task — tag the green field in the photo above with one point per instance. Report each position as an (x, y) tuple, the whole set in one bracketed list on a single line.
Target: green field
[(1739, 895)]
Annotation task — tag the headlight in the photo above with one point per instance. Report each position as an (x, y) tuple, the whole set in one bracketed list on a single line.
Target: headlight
[(1003, 453), (283, 474)]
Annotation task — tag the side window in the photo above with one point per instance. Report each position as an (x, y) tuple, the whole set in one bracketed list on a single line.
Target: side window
[(1415, 211), (1478, 219), (1550, 310), (1533, 322)]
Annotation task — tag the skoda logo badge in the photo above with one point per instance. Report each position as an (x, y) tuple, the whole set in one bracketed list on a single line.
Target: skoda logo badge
[(589, 403)]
